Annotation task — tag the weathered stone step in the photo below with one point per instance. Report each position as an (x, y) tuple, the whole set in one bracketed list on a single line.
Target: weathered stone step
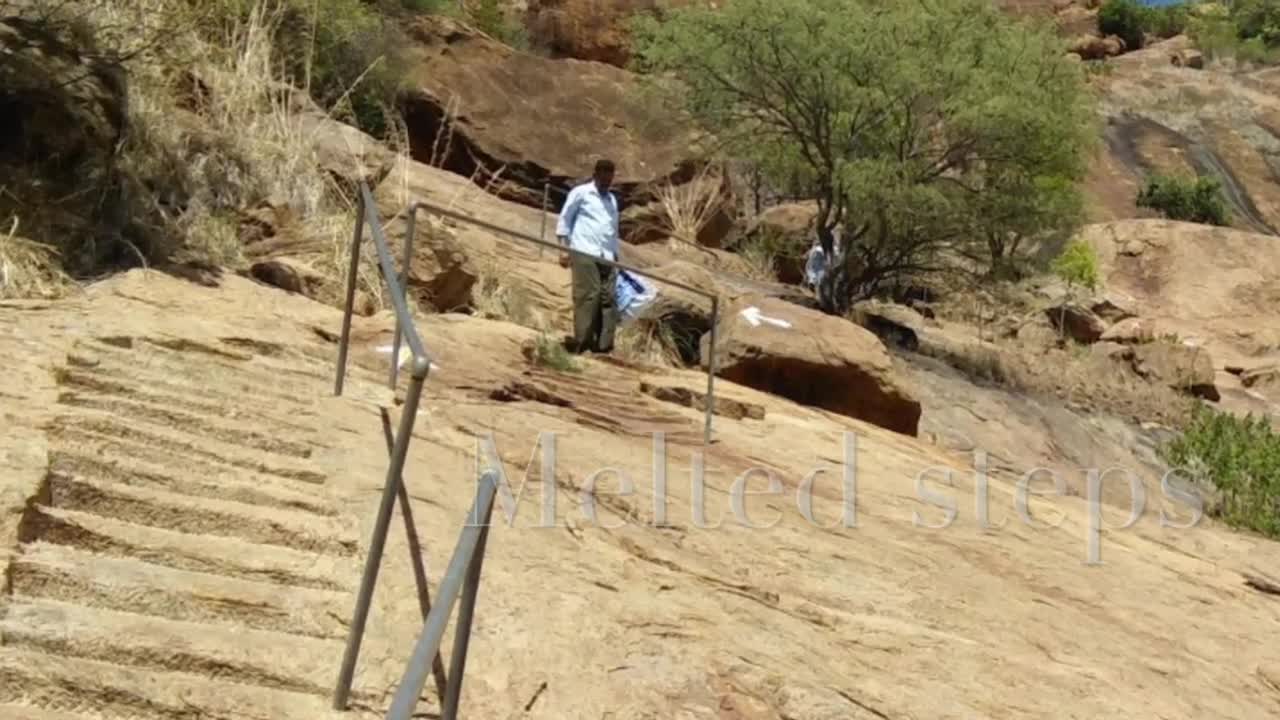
[(183, 551), (114, 447), (105, 690), (26, 712), (202, 427), (63, 573), (203, 516), (145, 359), (237, 401), (297, 377), (65, 428), (218, 652), (116, 467)]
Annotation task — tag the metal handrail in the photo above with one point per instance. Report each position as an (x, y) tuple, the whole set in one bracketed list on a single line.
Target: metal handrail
[(462, 578), (367, 213), (410, 229)]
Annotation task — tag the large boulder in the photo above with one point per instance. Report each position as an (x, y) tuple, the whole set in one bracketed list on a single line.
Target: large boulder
[(481, 109), (1076, 322), (788, 228), (1180, 366), (812, 358), (1215, 287), (585, 29)]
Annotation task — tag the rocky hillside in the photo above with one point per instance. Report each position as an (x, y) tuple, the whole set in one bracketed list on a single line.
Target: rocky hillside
[(186, 506)]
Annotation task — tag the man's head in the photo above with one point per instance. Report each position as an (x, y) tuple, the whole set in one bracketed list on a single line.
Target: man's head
[(603, 174)]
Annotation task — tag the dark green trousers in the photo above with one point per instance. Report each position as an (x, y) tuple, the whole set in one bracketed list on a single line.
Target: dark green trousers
[(595, 312)]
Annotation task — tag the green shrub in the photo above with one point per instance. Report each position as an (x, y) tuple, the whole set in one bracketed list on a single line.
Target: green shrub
[(1249, 31), (1258, 19), (1167, 21), (1124, 18), (549, 353), (1241, 458), (1199, 200), (1078, 265), (488, 16)]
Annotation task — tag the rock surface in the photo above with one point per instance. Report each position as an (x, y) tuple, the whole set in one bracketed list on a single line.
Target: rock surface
[(811, 358), (1173, 118), (484, 108), (1215, 287), (137, 582)]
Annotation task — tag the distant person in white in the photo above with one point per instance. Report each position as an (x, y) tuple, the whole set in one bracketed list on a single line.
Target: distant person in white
[(589, 224), (817, 263)]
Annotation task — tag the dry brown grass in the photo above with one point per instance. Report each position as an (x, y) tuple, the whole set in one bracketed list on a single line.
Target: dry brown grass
[(215, 130), (29, 269), (647, 342), (497, 297), (688, 207)]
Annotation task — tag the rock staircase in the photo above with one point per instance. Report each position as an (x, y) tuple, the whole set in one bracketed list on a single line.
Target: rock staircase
[(183, 559)]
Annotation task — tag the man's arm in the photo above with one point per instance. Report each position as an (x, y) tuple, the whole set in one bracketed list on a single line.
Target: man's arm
[(568, 215)]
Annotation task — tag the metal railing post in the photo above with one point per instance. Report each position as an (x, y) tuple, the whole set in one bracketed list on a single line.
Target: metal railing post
[(415, 674), (353, 271), (542, 243), (415, 555), (409, 228), (462, 634), (711, 367), (542, 231), (379, 539)]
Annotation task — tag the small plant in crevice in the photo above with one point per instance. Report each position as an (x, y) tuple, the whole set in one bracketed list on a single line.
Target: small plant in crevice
[(1078, 265), (550, 353)]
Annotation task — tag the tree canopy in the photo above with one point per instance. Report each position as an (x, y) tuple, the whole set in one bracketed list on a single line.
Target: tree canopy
[(931, 133)]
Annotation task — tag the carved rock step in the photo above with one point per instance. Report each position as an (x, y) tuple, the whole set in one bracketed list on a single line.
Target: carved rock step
[(62, 573)]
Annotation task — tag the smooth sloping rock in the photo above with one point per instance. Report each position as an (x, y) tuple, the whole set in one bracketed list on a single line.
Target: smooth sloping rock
[(537, 120), (813, 359)]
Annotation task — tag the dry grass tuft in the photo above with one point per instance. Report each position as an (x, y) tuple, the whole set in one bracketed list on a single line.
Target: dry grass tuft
[(495, 297), (29, 269), (646, 342), (685, 209), (214, 130)]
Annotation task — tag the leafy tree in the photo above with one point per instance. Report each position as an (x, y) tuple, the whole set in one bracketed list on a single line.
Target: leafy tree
[(1126, 19), (1199, 200), (925, 130)]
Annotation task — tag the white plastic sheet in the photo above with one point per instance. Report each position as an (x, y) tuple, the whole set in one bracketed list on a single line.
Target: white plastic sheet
[(633, 295)]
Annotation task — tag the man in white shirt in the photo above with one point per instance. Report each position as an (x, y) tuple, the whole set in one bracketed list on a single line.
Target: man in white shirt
[(589, 224)]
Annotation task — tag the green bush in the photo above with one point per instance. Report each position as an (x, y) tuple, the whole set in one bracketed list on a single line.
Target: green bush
[(1249, 31), (1167, 21), (1258, 19), (1124, 18), (489, 17), (1078, 265), (1241, 458), (1199, 200)]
